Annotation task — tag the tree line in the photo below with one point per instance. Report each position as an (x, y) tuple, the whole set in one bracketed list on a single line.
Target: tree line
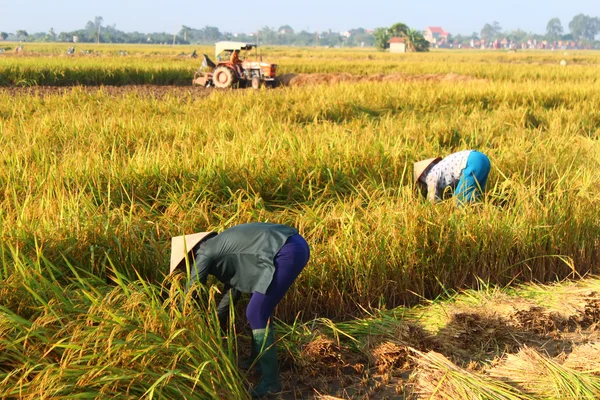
[(97, 32), (582, 28)]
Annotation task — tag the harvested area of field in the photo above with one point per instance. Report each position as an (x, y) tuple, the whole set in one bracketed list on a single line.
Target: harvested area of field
[(489, 343)]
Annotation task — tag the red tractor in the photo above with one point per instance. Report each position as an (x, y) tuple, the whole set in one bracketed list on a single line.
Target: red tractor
[(230, 71)]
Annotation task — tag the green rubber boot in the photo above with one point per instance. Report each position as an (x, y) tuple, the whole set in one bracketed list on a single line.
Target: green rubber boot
[(251, 362), (264, 340)]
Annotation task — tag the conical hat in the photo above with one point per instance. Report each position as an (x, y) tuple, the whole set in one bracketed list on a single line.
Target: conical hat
[(422, 166), (181, 245)]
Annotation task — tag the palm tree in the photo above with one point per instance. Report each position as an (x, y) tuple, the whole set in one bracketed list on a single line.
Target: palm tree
[(398, 29), (415, 41)]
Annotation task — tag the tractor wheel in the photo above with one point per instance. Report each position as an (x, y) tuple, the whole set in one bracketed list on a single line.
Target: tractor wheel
[(256, 82), (223, 77)]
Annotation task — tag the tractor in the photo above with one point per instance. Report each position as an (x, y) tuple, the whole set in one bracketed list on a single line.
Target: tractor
[(230, 71)]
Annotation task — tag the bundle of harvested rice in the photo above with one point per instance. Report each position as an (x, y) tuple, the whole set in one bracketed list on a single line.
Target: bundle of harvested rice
[(585, 358), (436, 377), (545, 377)]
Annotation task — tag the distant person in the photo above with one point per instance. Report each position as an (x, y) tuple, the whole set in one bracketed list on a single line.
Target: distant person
[(464, 174), (237, 64), (235, 57), (263, 259)]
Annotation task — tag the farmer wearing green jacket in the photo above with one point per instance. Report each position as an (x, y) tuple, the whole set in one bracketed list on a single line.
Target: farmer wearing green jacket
[(263, 259)]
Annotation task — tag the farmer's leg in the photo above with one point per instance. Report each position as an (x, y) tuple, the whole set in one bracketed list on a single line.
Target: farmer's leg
[(289, 262), (473, 179)]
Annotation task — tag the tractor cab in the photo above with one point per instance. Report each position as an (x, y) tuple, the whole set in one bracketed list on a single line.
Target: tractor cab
[(231, 69), (224, 50)]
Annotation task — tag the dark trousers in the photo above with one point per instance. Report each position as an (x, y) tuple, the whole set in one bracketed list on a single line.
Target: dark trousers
[(289, 262)]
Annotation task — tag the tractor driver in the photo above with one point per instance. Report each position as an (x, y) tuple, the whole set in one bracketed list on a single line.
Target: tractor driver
[(235, 57), (235, 61)]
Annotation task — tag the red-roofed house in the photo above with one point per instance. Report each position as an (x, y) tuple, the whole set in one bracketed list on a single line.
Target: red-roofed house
[(397, 45), (435, 34)]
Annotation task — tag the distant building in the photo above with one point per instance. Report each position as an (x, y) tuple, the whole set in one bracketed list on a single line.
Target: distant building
[(346, 34), (397, 45), (436, 35)]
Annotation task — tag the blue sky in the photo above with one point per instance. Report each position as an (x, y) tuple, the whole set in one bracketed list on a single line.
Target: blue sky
[(459, 16)]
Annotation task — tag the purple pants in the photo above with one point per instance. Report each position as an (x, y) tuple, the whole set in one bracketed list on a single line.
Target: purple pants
[(289, 262)]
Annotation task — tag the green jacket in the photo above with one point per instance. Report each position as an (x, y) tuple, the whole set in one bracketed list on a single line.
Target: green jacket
[(242, 256)]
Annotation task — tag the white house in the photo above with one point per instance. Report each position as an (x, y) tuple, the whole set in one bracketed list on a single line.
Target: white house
[(397, 45)]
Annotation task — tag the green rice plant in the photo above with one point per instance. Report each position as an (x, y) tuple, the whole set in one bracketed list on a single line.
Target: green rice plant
[(128, 340)]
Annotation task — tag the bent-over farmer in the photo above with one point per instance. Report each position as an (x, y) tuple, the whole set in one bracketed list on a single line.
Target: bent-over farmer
[(465, 173), (259, 258)]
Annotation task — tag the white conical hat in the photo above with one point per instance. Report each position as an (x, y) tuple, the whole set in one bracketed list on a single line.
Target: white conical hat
[(181, 245), (421, 166)]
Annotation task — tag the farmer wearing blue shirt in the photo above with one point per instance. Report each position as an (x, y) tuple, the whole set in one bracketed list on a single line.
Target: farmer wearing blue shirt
[(263, 259), (463, 173)]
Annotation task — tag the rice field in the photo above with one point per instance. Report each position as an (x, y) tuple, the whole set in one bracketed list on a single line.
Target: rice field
[(106, 157)]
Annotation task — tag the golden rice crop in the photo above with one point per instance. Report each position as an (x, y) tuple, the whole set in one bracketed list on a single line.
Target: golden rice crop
[(48, 64), (97, 182), (99, 178)]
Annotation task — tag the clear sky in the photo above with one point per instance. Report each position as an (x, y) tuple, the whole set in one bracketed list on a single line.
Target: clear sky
[(455, 16)]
